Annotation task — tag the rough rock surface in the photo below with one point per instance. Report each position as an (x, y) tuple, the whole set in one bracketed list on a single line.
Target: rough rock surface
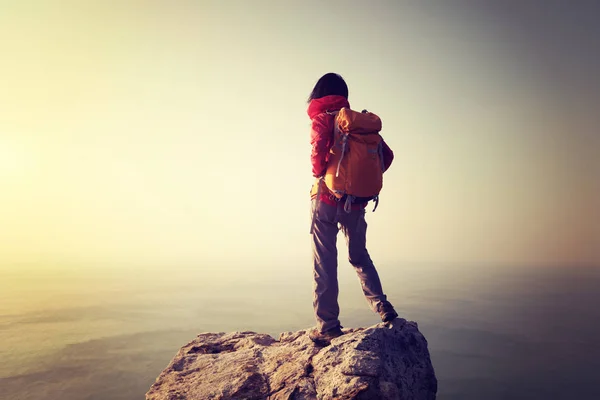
[(385, 361)]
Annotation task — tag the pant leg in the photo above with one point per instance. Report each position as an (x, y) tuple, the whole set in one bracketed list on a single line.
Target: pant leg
[(324, 237), (354, 227)]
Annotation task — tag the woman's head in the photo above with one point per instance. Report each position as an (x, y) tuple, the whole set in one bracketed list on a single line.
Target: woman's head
[(329, 84)]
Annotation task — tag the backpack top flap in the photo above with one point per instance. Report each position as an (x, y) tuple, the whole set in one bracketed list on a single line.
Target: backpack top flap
[(350, 121)]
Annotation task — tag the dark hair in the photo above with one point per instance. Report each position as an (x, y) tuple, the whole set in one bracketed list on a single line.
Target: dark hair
[(329, 84)]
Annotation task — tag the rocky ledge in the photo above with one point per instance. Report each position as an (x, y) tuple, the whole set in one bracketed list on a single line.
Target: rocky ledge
[(385, 361)]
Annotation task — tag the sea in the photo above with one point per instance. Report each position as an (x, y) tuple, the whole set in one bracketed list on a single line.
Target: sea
[(105, 333)]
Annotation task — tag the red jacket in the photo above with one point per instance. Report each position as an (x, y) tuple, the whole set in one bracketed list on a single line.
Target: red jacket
[(321, 137)]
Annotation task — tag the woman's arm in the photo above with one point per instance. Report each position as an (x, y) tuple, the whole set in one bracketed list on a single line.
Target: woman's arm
[(321, 137)]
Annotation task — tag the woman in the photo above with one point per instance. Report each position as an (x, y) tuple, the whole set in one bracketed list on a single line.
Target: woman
[(331, 94)]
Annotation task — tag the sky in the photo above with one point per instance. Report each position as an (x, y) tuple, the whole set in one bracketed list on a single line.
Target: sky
[(175, 132)]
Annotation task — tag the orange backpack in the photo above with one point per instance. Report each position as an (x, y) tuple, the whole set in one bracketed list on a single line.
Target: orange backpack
[(355, 167)]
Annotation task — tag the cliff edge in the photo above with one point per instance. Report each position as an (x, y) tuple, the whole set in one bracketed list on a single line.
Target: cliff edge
[(384, 361)]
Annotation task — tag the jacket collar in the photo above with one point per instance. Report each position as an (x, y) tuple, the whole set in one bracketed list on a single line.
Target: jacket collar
[(327, 103)]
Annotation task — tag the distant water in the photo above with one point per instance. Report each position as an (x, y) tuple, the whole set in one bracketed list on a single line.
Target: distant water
[(493, 333)]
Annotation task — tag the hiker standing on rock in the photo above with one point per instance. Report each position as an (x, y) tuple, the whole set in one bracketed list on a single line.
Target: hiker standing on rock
[(348, 159)]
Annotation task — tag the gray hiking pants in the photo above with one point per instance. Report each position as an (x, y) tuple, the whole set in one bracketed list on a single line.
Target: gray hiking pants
[(324, 237)]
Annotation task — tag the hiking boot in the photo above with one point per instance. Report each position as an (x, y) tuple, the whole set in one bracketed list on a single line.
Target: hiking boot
[(386, 311), (324, 339)]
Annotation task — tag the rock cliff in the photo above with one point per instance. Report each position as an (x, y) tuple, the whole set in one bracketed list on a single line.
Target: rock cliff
[(385, 361)]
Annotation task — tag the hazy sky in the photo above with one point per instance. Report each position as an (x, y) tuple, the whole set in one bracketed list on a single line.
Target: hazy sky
[(175, 132)]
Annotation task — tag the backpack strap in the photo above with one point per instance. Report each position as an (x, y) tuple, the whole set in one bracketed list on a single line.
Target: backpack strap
[(376, 199), (348, 203), (344, 141)]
